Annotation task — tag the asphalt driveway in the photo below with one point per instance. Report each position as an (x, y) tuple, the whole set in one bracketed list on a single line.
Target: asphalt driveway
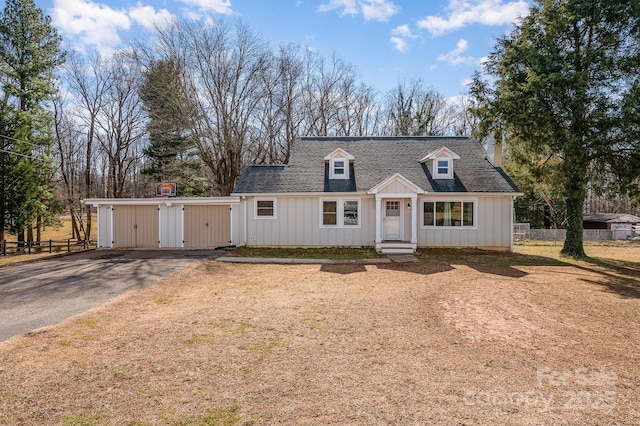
[(45, 292)]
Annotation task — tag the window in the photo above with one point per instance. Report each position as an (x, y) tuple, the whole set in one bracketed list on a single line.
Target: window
[(265, 209), (392, 208), (350, 213), (340, 213), (329, 213), (339, 169), (448, 213), (442, 169)]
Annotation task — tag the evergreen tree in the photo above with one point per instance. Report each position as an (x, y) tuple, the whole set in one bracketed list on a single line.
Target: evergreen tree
[(566, 84), (29, 54), (171, 152)]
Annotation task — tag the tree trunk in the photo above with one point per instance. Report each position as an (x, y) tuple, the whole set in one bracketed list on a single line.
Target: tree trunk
[(39, 226), (573, 244)]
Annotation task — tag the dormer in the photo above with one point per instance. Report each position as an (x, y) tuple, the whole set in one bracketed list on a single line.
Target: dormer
[(339, 164), (440, 162)]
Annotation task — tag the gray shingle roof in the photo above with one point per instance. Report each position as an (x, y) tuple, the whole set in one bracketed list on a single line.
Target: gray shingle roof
[(376, 159)]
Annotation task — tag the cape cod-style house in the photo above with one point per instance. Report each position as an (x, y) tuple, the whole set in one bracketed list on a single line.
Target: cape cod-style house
[(393, 193)]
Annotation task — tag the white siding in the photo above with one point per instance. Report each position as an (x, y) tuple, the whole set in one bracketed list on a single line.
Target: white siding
[(237, 225), (105, 227), (298, 224), (170, 226), (493, 230), (395, 188)]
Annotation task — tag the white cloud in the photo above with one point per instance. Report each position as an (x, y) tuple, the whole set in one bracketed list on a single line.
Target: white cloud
[(147, 16), (465, 12), (91, 23), (399, 44), (455, 57), (403, 31), (378, 10), (372, 10), (217, 6), (349, 7), (400, 36)]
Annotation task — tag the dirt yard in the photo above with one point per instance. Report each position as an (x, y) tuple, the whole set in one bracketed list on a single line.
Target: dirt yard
[(458, 338)]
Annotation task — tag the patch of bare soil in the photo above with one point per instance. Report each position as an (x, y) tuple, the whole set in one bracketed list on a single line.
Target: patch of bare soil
[(434, 342)]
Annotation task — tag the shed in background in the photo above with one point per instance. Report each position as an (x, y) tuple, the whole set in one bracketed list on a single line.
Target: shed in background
[(621, 225)]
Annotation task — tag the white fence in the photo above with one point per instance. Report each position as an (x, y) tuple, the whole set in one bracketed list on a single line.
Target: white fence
[(523, 232)]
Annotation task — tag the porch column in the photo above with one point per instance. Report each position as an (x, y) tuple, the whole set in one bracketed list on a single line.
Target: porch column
[(414, 220), (378, 219)]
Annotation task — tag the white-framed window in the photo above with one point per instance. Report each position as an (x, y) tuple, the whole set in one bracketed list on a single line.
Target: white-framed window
[(442, 168), (339, 213), (339, 168), (329, 213), (449, 213), (265, 208)]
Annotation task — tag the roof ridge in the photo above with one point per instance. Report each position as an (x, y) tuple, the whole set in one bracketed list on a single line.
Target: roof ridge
[(361, 138)]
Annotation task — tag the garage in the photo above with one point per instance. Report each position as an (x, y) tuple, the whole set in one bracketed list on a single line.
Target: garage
[(135, 227), (151, 223), (207, 226)]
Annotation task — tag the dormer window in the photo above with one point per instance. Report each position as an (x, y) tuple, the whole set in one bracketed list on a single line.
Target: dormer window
[(440, 163), (338, 168), (442, 167), (339, 164)]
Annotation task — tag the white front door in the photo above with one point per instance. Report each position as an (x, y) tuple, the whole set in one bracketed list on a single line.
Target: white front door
[(392, 223)]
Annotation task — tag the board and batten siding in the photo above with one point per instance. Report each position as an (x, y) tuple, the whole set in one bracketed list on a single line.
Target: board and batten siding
[(493, 228), (162, 223), (170, 226), (297, 223), (135, 226), (105, 228), (207, 226)]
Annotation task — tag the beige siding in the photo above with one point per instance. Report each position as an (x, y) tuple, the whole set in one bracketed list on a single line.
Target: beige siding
[(124, 226), (207, 226), (493, 228), (135, 226), (147, 229), (297, 224)]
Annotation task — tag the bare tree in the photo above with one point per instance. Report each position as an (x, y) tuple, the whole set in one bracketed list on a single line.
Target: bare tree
[(87, 82), (224, 68), (414, 110), (71, 164), (121, 124)]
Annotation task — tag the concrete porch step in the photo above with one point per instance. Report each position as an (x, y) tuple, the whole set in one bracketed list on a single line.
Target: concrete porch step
[(396, 247), (396, 250)]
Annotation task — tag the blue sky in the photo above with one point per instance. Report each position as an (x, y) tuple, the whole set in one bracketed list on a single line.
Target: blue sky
[(440, 41)]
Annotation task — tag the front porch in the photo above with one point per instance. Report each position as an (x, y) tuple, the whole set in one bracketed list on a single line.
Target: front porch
[(396, 215)]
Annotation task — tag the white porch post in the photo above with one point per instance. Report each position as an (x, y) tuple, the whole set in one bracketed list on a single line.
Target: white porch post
[(378, 219), (414, 220)]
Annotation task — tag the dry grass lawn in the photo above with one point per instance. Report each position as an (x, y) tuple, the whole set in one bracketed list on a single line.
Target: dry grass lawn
[(458, 338)]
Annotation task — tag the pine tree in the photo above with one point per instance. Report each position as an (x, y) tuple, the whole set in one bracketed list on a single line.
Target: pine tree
[(566, 84), (171, 153), (29, 55)]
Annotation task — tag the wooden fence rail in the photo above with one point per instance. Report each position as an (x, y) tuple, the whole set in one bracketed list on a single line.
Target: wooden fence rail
[(50, 246)]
